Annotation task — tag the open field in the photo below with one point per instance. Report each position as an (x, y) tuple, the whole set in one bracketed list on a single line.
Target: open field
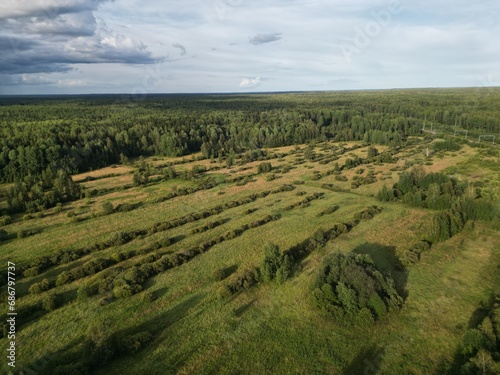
[(213, 217)]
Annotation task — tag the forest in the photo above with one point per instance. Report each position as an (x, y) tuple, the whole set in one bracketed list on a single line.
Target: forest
[(320, 232)]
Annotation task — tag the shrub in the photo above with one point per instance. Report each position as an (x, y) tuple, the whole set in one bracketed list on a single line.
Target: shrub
[(224, 292), (147, 296), (107, 208), (276, 265), (123, 291), (352, 283), (30, 272), (40, 287), (63, 278), (5, 220), (49, 302), (264, 167), (219, 274), (133, 343), (85, 291)]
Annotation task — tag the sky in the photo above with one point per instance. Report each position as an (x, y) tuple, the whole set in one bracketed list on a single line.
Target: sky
[(207, 46)]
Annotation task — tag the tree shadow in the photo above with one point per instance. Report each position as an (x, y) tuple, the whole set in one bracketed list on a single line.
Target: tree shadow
[(481, 312), (366, 362), (228, 271), (243, 308), (160, 292), (77, 351), (387, 261), (477, 317)]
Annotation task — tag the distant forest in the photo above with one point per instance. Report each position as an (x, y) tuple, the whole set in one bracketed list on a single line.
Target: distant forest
[(77, 134)]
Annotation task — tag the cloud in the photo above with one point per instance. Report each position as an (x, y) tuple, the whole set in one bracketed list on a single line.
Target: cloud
[(181, 47), (250, 83), (50, 36), (265, 38)]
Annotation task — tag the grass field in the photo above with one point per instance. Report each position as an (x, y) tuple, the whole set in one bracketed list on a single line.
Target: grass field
[(267, 328)]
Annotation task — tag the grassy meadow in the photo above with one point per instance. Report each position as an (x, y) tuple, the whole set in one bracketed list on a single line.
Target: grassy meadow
[(268, 328)]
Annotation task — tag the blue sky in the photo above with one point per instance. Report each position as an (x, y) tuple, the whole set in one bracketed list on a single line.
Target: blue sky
[(179, 46)]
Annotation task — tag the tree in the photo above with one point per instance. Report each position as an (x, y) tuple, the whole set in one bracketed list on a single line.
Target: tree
[(276, 265), (385, 195), (264, 167), (107, 208), (372, 152)]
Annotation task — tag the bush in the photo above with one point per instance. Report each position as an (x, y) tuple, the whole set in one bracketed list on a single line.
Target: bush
[(133, 343), (63, 278), (40, 287), (224, 292), (5, 220), (148, 296), (352, 283), (264, 167), (107, 208), (84, 292), (276, 265), (30, 272), (49, 302), (219, 274)]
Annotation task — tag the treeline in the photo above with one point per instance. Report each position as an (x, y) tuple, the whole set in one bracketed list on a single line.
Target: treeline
[(38, 192), (79, 135), (435, 190)]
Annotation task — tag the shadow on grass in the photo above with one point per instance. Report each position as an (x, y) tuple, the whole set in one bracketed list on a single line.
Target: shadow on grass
[(386, 261), (366, 362), (230, 270), (243, 308), (82, 352)]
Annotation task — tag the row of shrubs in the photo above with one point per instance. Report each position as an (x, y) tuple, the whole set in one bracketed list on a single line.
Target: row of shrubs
[(279, 265), (101, 348), (305, 202), (413, 254), (180, 192), (358, 181), (210, 225), (119, 238), (126, 283), (329, 210), (334, 188)]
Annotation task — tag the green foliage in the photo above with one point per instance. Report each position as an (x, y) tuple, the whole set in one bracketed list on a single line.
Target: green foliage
[(385, 195), (264, 167), (132, 343), (49, 302), (219, 274), (40, 287), (36, 193), (107, 208), (5, 220), (446, 145), (276, 265), (352, 283), (372, 152)]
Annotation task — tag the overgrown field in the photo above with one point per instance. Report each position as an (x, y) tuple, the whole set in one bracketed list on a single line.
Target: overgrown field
[(159, 267)]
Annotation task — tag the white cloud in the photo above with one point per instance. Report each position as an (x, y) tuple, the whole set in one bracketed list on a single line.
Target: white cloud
[(428, 43), (250, 83)]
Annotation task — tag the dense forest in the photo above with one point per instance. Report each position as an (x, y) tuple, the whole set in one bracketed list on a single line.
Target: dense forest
[(86, 133)]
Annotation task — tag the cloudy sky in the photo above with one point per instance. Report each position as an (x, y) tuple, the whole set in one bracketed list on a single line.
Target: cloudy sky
[(174, 46)]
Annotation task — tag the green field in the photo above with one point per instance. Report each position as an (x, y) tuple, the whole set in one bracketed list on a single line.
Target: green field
[(191, 325)]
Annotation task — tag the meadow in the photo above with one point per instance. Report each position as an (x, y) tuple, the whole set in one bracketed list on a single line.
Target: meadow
[(156, 267)]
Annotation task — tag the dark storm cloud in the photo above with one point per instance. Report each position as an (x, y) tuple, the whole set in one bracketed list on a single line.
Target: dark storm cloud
[(50, 36), (265, 38)]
